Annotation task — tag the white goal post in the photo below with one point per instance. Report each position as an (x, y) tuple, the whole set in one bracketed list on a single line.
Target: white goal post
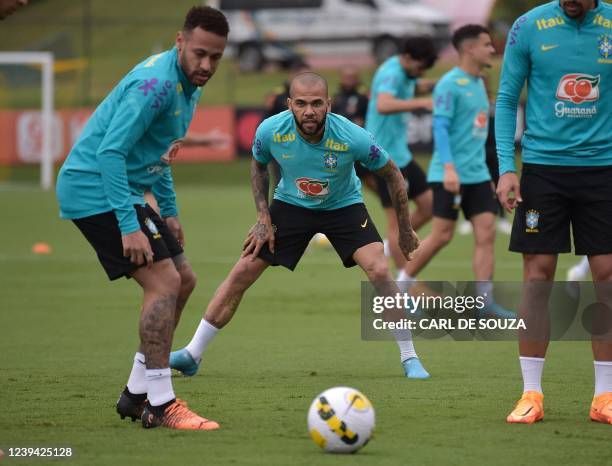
[(46, 60)]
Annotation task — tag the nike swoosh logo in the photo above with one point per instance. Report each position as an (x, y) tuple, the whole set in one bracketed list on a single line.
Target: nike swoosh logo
[(287, 156), (364, 224), (546, 48)]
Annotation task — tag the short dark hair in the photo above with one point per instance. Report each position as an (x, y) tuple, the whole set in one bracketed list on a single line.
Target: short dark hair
[(469, 31), (208, 18), (421, 49), (309, 79)]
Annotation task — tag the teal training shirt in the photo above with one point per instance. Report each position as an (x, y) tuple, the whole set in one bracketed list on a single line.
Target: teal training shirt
[(318, 176), (118, 155), (568, 68), (391, 130), (462, 98)]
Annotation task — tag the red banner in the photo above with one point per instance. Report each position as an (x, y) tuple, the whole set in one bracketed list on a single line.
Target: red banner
[(21, 135)]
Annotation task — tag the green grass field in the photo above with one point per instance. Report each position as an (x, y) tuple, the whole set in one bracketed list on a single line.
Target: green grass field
[(68, 337)]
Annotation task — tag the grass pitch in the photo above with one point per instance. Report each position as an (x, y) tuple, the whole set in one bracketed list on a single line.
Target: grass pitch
[(68, 337)]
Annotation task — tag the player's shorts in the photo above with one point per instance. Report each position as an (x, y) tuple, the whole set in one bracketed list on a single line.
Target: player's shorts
[(416, 182), (348, 229), (473, 199), (555, 197), (361, 171), (103, 233)]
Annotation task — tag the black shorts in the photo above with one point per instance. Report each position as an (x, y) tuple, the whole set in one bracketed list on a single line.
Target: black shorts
[(416, 183), (348, 229), (555, 197), (362, 171), (102, 232), (473, 199)]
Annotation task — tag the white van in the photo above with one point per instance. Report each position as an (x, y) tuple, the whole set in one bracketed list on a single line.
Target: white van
[(262, 29)]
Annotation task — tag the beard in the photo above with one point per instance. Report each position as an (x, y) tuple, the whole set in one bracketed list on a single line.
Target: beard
[(577, 12), (197, 78), (318, 128)]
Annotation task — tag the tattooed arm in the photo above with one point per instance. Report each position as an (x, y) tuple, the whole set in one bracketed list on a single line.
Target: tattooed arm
[(262, 232), (408, 239)]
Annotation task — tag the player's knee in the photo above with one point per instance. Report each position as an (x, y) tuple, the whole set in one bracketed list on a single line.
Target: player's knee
[(170, 282), (378, 271), (536, 268), (243, 274), (188, 279), (443, 237)]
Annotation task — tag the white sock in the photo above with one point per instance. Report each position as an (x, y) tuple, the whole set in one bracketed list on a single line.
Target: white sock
[(159, 386), (532, 373), (603, 377), (405, 343), (404, 281), (583, 266), (202, 337), (485, 288), (137, 383)]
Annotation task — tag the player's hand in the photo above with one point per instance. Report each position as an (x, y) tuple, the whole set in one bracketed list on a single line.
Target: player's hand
[(425, 103), (172, 152), (451, 179), (136, 246), (261, 233), (408, 242), (508, 191), (176, 229)]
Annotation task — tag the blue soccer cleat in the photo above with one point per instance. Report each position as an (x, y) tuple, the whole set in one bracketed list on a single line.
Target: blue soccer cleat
[(414, 369), (183, 361), (495, 311)]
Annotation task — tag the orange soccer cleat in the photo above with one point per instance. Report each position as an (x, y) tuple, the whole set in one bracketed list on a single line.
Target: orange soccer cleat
[(176, 416), (601, 408), (529, 409)]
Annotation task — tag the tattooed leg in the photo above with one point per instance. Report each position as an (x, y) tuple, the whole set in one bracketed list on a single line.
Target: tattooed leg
[(224, 303), (161, 286)]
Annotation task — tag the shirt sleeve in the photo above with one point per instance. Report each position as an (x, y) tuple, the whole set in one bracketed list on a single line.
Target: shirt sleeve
[(142, 101), (368, 152), (261, 144), (164, 193), (444, 100), (515, 70), (441, 125), (389, 84)]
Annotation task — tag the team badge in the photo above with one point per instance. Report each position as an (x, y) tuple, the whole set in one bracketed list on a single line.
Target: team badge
[(605, 46), (152, 228), (532, 218), (330, 160)]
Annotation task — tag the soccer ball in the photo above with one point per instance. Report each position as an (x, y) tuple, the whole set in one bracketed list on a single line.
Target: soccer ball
[(341, 420)]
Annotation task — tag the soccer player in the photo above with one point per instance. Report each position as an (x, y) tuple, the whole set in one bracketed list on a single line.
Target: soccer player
[(123, 152), (458, 172), (391, 99), (8, 7), (319, 192), (563, 50)]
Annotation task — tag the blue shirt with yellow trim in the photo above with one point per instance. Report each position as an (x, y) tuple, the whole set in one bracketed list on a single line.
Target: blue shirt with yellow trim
[(118, 155), (568, 68), (318, 176)]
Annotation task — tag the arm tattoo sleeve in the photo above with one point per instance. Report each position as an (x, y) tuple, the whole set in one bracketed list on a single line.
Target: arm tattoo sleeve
[(260, 184), (396, 184)]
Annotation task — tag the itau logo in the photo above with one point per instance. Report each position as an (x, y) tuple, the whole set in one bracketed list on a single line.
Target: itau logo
[(578, 88)]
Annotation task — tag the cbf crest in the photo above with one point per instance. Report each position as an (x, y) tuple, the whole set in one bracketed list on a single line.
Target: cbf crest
[(152, 228), (330, 160), (604, 46), (532, 219)]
